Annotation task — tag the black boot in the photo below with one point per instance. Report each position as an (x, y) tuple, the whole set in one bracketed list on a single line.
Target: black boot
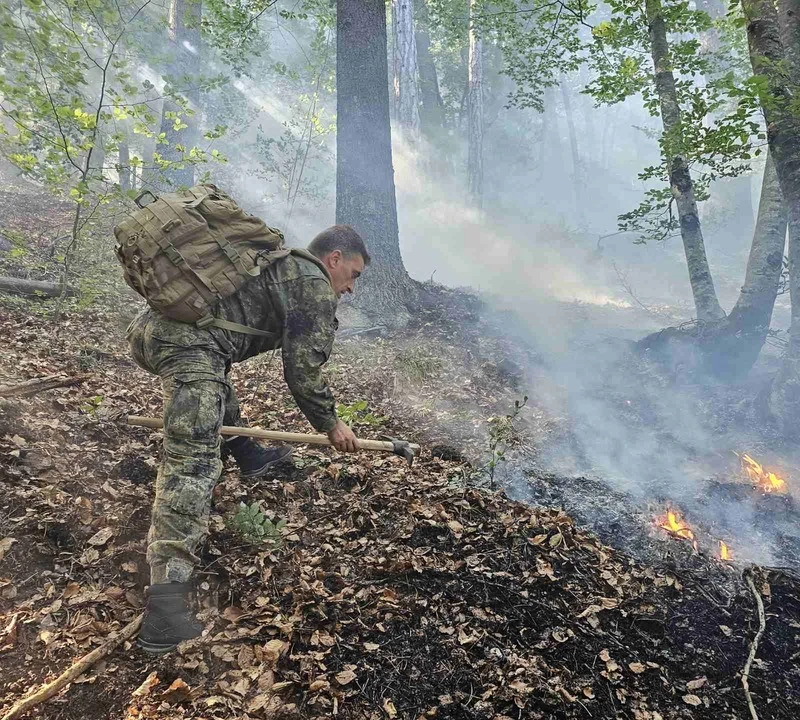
[(168, 619), (253, 458)]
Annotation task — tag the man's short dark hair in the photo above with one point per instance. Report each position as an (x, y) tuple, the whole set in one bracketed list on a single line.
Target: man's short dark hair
[(342, 238)]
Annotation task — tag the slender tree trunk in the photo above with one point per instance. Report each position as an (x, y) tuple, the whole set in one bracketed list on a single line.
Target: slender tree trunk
[(432, 106), (705, 296), (730, 346), (365, 192), (184, 35), (475, 110), (124, 169), (406, 95), (746, 328), (577, 174), (773, 39)]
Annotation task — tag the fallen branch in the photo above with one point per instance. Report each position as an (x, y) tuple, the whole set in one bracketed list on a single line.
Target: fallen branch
[(36, 385), (753, 646), (19, 286), (44, 693)]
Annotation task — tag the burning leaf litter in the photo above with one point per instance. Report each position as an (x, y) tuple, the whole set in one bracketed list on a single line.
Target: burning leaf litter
[(765, 480)]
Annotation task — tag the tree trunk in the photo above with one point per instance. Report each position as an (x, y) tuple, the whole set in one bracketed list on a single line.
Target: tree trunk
[(184, 35), (705, 296), (406, 95), (432, 106), (365, 193), (124, 169), (475, 110), (577, 174), (730, 347), (773, 39)]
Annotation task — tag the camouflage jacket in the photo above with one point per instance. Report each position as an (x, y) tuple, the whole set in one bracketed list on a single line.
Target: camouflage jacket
[(294, 300)]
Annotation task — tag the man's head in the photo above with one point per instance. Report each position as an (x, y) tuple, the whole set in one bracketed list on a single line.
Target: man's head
[(343, 253)]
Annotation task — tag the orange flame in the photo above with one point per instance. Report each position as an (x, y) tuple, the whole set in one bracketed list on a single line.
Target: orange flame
[(673, 523), (724, 551), (767, 481)]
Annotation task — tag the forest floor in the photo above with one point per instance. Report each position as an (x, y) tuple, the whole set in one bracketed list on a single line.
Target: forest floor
[(391, 592)]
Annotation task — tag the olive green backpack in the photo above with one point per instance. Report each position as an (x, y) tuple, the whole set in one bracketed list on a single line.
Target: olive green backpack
[(185, 251)]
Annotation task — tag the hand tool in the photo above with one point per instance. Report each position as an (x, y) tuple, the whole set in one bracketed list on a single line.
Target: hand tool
[(404, 449)]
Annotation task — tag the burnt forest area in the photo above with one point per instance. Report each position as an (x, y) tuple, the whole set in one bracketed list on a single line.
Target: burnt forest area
[(582, 304)]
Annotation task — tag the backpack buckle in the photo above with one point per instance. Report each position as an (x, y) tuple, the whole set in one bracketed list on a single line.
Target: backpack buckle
[(139, 197)]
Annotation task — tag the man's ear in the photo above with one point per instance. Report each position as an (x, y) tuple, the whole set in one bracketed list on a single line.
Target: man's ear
[(335, 258)]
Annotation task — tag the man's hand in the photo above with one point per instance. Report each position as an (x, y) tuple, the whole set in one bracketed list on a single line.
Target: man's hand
[(342, 438)]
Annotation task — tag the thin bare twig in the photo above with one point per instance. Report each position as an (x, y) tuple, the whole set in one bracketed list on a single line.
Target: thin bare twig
[(762, 624)]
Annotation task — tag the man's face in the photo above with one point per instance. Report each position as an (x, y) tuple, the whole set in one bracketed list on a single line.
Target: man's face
[(344, 271)]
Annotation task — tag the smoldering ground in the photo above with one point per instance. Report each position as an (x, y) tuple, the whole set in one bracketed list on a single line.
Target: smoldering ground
[(637, 437)]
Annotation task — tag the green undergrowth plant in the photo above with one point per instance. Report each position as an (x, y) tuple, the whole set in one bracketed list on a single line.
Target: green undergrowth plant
[(501, 435), (358, 413), (417, 364), (253, 526)]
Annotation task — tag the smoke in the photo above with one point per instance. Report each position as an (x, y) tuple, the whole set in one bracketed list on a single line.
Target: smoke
[(658, 438)]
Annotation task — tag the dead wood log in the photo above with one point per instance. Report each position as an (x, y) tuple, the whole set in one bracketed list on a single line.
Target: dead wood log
[(37, 385), (19, 286), (44, 693)]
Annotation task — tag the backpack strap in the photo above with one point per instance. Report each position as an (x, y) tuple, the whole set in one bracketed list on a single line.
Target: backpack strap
[(211, 321)]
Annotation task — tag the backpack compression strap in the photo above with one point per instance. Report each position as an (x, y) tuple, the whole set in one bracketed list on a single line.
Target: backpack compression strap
[(211, 321)]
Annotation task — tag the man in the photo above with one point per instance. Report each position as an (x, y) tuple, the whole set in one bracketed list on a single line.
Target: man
[(295, 300)]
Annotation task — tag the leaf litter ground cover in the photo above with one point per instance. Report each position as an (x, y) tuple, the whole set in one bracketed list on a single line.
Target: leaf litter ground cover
[(393, 592)]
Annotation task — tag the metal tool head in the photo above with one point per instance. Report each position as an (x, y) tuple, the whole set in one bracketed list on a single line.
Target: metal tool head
[(403, 449)]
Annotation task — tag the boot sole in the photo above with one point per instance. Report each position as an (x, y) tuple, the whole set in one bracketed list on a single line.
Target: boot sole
[(155, 648), (266, 466)]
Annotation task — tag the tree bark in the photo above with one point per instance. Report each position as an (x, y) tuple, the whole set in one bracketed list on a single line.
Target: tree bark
[(475, 110), (184, 36), (767, 31), (432, 105), (406, 95), (365, 191), (705, 296), (577, 174)]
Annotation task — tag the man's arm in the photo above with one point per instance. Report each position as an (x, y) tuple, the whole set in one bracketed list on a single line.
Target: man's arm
[(307, 343)]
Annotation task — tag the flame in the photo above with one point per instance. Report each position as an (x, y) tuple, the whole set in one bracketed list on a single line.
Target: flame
[(767, 481), (724, 551), (673, 523)]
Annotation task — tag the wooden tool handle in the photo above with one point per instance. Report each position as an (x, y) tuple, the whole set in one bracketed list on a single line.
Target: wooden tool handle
[(158, 423)]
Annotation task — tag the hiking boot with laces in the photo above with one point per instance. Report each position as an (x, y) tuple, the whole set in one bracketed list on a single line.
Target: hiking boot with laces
[(168, 620), (253, 458)]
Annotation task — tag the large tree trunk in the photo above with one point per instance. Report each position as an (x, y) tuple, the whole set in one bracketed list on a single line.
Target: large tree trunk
[(406, 96), (705, 296), (365, 193), (773, 40), (184, 36), (577, 174), (432, 106), (475, 110)]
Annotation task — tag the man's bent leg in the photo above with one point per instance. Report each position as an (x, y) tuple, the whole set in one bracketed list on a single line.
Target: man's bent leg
[(251, 456), (191, 466)]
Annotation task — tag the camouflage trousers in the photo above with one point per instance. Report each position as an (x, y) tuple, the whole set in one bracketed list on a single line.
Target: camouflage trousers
[(198, 399)]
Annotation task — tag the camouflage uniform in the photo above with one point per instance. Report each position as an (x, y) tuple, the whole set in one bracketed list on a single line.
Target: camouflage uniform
[(293, 299)]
